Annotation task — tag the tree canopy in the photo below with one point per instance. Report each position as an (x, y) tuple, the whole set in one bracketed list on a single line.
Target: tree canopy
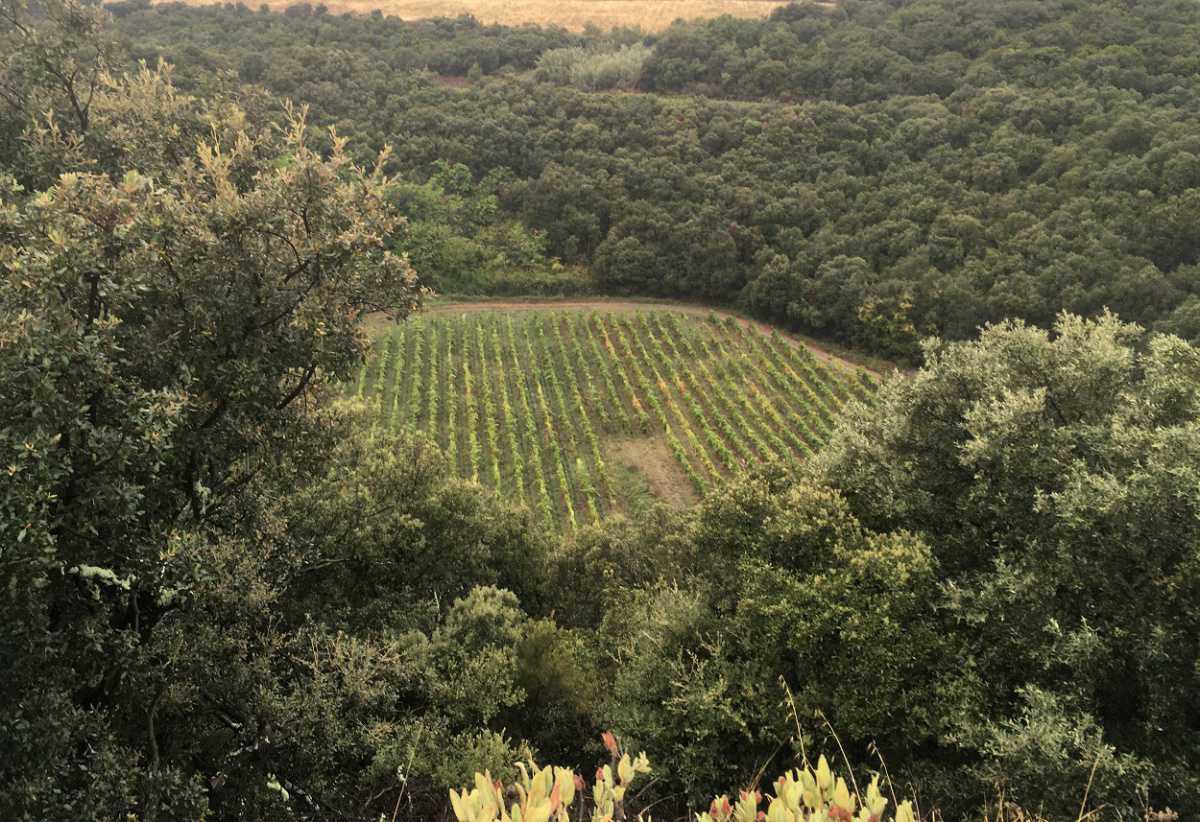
[(873, 174)]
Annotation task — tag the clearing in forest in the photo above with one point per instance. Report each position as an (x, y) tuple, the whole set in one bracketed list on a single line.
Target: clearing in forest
[(651, 15), (537, 403)]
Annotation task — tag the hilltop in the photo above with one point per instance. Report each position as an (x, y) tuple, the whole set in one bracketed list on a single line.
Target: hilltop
[(575, 15)]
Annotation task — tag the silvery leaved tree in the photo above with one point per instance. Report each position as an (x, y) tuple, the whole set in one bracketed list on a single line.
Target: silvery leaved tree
[(179, 282)]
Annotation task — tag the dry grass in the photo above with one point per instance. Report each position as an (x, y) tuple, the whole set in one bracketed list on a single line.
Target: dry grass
[(652, 459), (651, 15)]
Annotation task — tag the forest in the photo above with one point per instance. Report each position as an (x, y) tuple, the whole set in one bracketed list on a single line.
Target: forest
[(876, 175), (284, 535)]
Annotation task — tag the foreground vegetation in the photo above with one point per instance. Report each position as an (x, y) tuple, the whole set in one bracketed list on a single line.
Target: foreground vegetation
[(527, 403), (231, 593), (808, 794)]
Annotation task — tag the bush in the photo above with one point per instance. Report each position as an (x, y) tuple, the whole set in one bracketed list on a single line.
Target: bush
[(786, 586), (594, 70), (1054, 476)]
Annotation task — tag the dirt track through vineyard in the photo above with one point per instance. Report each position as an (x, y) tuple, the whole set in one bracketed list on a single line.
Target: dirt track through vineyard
[(632, 306)]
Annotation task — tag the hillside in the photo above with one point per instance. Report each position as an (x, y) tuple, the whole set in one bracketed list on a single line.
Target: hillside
[(894, 171), (423, 420), (650, 15)]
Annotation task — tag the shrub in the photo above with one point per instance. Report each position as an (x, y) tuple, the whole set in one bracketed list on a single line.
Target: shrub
[(1054, 476), (593, 70), (791, 588)]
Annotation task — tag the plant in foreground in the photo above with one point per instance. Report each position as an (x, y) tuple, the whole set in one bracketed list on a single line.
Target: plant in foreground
[(808, 795), (547, 795)]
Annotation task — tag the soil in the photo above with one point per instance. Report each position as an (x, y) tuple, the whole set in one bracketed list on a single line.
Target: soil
[(651, 457)]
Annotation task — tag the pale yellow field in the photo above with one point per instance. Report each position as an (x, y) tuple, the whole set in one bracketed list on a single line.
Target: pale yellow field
[(651, 15)]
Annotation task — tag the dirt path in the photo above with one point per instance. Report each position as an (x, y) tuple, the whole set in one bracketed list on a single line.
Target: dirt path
[(652, 458), (632, 306)]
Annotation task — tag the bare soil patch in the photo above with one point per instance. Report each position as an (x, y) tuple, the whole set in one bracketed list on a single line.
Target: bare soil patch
[(651, 457)]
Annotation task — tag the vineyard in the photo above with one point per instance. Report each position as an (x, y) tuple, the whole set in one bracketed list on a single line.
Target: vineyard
[(529, 402)]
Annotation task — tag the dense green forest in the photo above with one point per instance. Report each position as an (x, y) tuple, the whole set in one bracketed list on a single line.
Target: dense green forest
[(227, 595), (875, 174)]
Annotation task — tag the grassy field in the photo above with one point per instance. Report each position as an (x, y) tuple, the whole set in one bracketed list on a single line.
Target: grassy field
[(578, 414), (651, 15)]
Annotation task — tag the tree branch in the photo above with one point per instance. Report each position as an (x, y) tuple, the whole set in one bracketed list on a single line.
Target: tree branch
[(299, 389), (238, 726)]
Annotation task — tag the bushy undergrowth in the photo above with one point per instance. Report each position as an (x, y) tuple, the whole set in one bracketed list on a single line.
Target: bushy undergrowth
[(594, 69)]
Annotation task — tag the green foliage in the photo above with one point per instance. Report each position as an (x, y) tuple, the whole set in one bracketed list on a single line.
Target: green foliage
[(1049, 750), (263, 316), (418, 557), (404, 533), (229, 596), (557, 673), (958, 586), (1054, 477), (461, 244), (874, 175), (166, 316), (594, 69), (473, 654), (54, 58), (794, 586)]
